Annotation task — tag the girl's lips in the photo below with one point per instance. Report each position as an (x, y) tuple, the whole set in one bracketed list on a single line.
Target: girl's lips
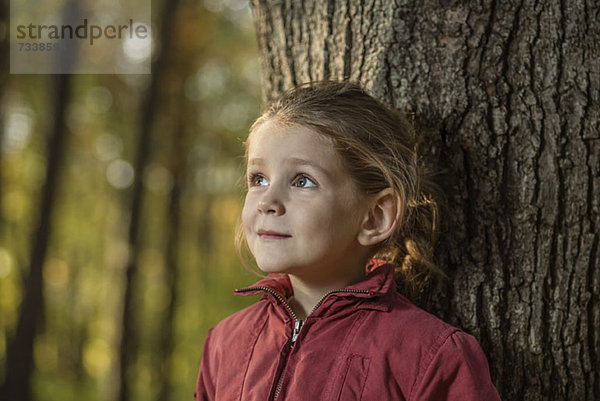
[(267, 234)]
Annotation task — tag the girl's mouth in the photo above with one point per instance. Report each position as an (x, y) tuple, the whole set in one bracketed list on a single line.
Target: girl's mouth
[(268, 234)]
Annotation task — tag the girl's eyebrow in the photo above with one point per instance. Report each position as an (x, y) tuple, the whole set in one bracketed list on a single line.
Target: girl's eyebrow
[(296, 161), (255, 161), (303, 162)]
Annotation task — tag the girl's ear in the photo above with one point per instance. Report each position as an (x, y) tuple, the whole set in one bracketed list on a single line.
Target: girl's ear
[(382, 218)]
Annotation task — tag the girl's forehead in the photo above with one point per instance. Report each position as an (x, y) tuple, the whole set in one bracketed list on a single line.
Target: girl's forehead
[(277, 141), (274, 131)]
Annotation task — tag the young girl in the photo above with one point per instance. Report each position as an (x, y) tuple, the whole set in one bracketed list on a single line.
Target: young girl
[(335, 188)]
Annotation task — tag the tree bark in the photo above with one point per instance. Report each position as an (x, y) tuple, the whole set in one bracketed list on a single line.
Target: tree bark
[(507, 95)]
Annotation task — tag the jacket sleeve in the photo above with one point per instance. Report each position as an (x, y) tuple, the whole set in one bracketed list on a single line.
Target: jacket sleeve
[(205, 387), (457, 371)]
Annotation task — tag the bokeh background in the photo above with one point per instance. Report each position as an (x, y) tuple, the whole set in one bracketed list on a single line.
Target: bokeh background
[(189, 119)]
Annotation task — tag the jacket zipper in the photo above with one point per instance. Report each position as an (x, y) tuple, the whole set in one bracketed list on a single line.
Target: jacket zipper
[(297, 322), (276, 294), (333, 291), (296, 329), (297, 326)]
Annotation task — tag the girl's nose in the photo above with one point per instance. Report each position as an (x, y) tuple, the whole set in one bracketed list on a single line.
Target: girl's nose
[(269, 204)]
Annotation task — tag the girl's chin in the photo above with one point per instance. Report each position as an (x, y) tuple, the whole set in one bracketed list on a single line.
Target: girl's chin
[(275, 269), (278, 268)]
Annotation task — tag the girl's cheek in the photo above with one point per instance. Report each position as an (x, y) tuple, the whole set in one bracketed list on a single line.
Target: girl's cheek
[(244, 215), (247, 212)]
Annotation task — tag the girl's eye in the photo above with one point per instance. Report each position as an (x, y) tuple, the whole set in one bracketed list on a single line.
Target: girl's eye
[(303, 181), (257, 180)]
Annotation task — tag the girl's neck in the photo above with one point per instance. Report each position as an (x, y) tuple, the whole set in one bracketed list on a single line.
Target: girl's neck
[(307, 294)]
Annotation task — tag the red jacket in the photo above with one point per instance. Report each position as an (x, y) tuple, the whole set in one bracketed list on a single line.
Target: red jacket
[(365, 342)]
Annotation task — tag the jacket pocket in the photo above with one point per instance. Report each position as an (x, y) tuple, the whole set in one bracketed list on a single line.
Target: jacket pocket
[(354, 378)]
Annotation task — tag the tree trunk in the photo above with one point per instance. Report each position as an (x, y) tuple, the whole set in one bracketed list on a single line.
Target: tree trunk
[(19, 359), (19, 354), (179, 171), (128, 343), (4, 68), (507, 94)]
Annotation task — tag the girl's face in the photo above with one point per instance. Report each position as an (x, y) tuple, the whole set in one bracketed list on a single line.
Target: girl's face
[(302, 211)]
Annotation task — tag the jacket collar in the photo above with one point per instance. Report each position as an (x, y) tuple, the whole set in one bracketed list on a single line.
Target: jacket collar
[(379, 281)]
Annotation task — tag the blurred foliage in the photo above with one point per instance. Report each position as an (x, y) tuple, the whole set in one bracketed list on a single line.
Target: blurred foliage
[(212, 86)]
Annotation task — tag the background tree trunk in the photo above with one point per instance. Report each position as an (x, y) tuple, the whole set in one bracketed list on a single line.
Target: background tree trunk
[(19, 359), (4, 67), (507, 94), (179, 170), (19, 354), (129, 341)]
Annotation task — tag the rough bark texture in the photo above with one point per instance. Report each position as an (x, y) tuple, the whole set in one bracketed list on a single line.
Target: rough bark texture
[(508, 95)]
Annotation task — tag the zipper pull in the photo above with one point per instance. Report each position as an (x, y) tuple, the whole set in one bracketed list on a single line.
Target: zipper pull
[(297, 326)]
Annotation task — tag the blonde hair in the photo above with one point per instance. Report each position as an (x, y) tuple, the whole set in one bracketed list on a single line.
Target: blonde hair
[(379, 148)]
